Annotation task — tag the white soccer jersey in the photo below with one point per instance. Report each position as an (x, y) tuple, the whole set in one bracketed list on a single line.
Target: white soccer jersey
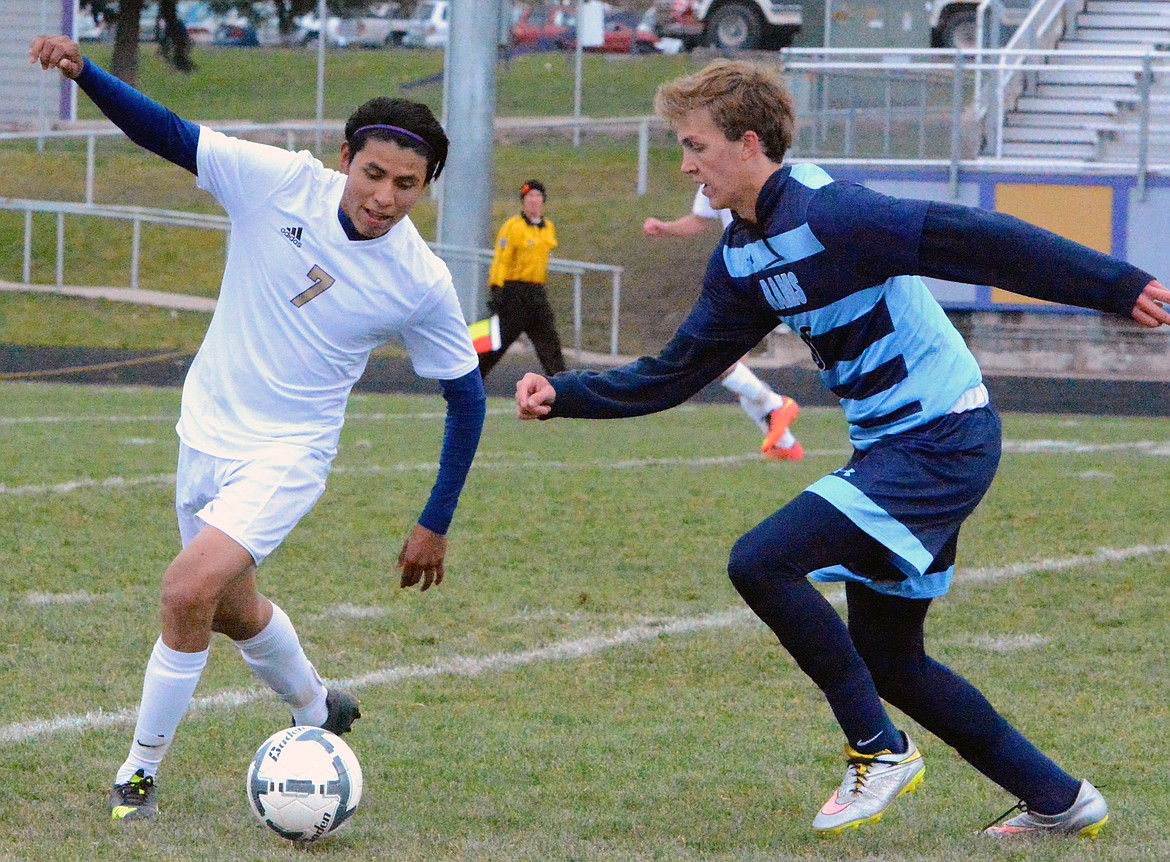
[(301, 306), (703, 209)]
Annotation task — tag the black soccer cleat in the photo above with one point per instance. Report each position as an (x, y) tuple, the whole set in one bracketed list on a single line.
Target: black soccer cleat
[(136, 799), (343, 711)]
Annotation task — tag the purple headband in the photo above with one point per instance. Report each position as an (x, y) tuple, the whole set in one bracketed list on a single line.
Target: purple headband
[(393, 130)]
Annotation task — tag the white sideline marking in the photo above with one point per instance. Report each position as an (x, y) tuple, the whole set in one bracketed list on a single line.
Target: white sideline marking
[(470, 666), (1002, 644), (6, 421), (1159, 448), (346, 611), (1154, 448), (45, 599), (111, 483)]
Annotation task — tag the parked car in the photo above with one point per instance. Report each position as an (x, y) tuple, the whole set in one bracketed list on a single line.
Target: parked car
[(624, 35), (544, 28), (380, 25), (429, 25), (309, 31), (240, 33)]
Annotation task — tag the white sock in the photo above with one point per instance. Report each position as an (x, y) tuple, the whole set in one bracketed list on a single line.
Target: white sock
[(760, 412), (745, 384), (167, 688), (276, 658)]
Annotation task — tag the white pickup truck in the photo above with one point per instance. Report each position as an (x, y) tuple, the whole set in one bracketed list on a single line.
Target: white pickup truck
[(377, 27), (745, 25), (731, 25)]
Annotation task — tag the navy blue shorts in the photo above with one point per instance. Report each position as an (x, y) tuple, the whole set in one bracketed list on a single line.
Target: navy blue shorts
[(911, 493)]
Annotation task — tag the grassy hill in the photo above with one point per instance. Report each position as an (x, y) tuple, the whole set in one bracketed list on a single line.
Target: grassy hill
[(592, 190)]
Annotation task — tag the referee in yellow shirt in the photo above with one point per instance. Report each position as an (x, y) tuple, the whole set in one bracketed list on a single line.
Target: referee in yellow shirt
[(516, 280)]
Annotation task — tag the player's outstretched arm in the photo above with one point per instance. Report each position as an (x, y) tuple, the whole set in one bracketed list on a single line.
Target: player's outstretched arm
[(57, 52), (1151, 307), (145, 122), (687, 226), (421, 558), (534, 397)]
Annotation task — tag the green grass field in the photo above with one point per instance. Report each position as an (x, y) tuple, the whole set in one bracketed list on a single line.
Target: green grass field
[(585, 685)]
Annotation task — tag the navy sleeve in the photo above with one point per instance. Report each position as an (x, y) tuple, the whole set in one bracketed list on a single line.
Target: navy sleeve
[(877, 236), (646, 385), (720, 328), (466, 409), (145, 122), (977, 246)]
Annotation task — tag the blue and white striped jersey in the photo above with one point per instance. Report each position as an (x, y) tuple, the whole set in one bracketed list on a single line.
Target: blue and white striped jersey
[(833, 261), (840, 265)]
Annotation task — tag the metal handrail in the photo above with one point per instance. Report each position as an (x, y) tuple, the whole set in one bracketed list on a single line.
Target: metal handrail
[(139, 216)]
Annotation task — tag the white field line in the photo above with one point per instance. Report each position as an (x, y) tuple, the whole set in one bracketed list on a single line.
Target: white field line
[(10, 421), (1002, 644), (569, 650), (1152, 448)]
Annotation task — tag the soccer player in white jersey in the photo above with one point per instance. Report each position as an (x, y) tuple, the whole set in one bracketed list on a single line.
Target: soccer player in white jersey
[(323, 266), (772, 412)]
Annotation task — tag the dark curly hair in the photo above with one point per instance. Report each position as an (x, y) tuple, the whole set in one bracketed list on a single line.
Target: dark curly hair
[(414, 118)]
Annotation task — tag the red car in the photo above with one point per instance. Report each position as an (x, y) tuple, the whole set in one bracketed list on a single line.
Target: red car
[(545, 28), (624, 36), (553, 28)]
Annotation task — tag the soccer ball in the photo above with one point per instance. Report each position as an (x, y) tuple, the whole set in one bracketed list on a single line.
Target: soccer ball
[(304, 784)]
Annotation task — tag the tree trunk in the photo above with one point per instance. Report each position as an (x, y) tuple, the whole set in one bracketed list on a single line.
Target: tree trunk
[(124, 62), (173, 42)]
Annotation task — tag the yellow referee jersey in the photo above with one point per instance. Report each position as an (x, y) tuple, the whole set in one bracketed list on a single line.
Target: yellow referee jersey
[(522, 251)]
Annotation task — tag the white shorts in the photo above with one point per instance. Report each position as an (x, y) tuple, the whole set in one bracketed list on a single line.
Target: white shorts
[(256, 502)]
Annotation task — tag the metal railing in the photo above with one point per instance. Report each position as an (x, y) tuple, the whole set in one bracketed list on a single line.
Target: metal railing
[(138, 216)]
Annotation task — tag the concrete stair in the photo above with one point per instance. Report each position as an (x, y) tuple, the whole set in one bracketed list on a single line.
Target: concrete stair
[(1077, 113)]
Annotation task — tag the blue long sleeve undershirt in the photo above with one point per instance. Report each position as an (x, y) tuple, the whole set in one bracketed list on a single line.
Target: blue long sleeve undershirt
[(466, 409), (145, 121), (164, 133)]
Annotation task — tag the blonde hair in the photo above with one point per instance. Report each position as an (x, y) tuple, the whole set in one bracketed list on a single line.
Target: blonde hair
[(741, 97)]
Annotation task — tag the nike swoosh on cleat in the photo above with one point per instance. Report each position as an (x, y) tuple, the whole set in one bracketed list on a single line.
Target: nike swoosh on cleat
[(121, 811), (833, 807)]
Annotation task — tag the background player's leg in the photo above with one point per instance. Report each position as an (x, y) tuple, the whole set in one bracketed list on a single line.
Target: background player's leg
[(760, 402)]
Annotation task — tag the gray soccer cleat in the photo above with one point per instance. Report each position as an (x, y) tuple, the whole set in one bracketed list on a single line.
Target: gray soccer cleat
[(136, 799), (872, 782), (1083, 820)]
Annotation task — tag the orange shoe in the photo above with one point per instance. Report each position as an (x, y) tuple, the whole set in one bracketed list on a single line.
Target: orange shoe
[(793, 453), (778, 422)]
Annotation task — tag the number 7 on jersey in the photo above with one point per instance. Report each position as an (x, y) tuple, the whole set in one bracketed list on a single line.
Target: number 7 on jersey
[(322, 281)]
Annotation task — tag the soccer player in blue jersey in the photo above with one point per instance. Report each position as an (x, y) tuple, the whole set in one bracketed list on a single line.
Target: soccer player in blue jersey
[(840, 265), (323, 266)]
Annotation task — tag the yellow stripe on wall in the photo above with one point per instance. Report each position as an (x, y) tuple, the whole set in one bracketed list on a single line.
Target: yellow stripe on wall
[(1083, 214)]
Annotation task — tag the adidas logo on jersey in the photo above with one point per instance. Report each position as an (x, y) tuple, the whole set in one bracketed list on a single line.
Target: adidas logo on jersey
[(293, 234)]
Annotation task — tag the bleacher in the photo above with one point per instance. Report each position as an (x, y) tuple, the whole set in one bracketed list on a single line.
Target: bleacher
[(1090, 112)]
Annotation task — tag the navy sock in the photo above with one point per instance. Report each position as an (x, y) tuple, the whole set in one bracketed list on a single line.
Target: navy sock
[(888, 740)]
